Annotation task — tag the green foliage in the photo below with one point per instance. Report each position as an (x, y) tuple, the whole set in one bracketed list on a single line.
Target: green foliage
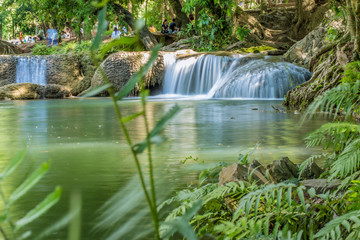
[(352, 72), (343, 99), (104, 50), (243, 210), (348, 224), (333, 34), (353, 195), (212, 23), (41, 49), (242, 32), (6, 219)]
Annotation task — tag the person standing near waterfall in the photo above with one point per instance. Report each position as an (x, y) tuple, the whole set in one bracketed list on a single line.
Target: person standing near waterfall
[(52, 36)]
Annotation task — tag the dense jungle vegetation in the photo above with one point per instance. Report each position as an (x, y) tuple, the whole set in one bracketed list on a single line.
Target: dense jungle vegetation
[(244, 209)]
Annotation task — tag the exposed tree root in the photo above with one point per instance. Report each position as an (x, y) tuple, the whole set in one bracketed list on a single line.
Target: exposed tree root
[(8, 48)]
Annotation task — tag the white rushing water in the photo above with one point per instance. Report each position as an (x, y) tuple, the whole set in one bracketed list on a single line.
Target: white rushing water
[(231, 77), (31, 70)]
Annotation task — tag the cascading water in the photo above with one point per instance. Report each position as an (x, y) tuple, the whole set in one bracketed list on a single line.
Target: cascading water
[(31, 70), (231, 77)]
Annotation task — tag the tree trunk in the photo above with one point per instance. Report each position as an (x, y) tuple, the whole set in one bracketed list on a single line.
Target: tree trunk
[(169, 10), (181, 18), (146, 37), (352, 10), (130, 7), (163, 10)]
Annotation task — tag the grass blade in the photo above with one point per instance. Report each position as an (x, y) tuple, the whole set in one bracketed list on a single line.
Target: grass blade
[(95, 91), (14, 163), (29, 182), (102, 24), (40, 209), (136, 77), (154, 138)]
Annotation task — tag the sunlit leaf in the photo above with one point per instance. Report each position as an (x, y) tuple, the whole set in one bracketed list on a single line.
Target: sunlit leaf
[(131, 117)]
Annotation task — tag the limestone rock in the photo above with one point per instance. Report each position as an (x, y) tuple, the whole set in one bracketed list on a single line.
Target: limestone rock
[(63, 70), (284, 169), (321, 185), (18, 91), (56, 91), (21, 91), (232, 173), (7, 70), (302, 51), (119, 67), (87, 70), (313, 171), (237, 172)]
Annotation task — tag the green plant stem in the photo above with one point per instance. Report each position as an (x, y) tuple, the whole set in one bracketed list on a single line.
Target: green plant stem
[(3, 233), (128, 139), (151, 172), (7, 209)]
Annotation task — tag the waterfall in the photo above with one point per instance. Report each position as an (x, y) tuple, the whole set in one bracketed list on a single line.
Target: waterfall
[(193, 75), (31, 70), (232, 77)]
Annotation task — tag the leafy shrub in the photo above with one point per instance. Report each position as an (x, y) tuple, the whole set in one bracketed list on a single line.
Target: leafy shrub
[(41, 49), (242, 32)]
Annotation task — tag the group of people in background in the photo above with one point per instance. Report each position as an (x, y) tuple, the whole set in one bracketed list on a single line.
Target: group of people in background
[(116, 34), (52, 34), (165, 28)]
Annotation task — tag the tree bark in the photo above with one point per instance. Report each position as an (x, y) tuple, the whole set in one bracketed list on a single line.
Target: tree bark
[(146, 37), (181, 18)]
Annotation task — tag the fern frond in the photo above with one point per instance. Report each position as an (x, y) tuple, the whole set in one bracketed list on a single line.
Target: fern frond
[(305, 165), (269, 193), (334, 229), (335, 135), (348, 161), (345, 98)]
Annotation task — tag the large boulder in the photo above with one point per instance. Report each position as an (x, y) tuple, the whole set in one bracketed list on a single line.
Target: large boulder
[(63, 70), (87, 69), (56, 91), (21, 91), (18, 91), (119, 67), (302, 51)]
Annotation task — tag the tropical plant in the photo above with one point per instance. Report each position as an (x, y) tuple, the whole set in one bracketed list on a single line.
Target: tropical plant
[(152, 135), (17, 227)]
